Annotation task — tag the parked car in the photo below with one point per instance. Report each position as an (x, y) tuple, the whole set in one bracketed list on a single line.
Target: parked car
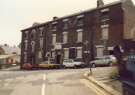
[(103, 61), (70, 63)]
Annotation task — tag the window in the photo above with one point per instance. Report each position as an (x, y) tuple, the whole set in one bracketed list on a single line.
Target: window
[(80, 20), (72, 53), (53, 39), (105, 10), (39, 54), (33, 34), (79, 52), (33, 46), (41, 31), (79, 35), (25, 57), (104, 16), (66, 53), (65, 21), (53, 54), (26, 44), (100, 50), (54, 26), (105, 32), (26, 34), (41, 42), (65, 37)]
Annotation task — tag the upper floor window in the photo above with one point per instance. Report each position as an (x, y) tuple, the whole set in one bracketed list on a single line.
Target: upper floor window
[(80, 20), (33, 34), (79, 35), (53, 39), (26, 34), (33, 46), (105, 32), (54, 26), (65, 37), (41, 31), (105, 16), (65, 23), (41, 42), (104, 10), (132, 34), (26, 44)]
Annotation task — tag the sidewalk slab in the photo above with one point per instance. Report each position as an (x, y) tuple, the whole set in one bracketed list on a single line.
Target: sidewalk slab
[(101, 85)]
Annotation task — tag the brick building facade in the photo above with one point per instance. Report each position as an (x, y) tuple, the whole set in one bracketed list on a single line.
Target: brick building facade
[(81, 36)]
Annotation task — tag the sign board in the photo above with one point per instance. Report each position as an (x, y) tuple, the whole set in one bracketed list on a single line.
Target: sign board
[(58, 46)]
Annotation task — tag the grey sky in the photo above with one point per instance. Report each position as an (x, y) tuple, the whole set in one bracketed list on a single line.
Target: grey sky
[(20, 14)]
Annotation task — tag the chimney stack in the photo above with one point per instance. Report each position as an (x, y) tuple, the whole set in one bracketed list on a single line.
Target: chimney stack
[(100, 3), (55, 18)]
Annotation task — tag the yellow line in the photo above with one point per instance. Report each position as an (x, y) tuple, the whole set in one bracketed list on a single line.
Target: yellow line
[(93, 87)]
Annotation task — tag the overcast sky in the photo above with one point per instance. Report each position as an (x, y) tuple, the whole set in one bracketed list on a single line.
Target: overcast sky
[(20, 14)]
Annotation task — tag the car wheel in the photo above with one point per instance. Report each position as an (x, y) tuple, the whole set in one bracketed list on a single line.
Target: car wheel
[(75, 67), (93, 65)]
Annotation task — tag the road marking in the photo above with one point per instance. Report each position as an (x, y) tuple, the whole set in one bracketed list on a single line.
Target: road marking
[(93, 87), (43, 85)]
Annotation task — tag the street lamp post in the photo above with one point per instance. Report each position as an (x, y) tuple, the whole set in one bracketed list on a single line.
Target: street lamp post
[(87, 52)]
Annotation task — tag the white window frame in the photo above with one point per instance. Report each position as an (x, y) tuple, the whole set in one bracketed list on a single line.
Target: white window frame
[(26, 33), (41, 42), (80, 16), (105, 32), (79, 52), (41, 31), (26, 45), (33, 46), (99, 47), (66, 53), (65, 37), (80, 35), (54, 39), (105, 10), (25, 57), (40, 54)]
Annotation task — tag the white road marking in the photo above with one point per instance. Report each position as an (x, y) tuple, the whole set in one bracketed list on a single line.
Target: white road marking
[(43, 85)]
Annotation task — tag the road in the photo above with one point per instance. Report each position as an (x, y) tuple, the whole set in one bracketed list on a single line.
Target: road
[(46, 82)]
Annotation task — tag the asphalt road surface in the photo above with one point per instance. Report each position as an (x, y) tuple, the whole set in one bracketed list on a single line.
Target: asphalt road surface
[(46, 82)]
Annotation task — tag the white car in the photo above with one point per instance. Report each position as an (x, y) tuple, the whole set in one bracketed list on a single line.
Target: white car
[(70, 63), (103, 61)]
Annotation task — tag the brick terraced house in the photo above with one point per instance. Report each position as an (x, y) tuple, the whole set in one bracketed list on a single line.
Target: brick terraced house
[(81, 36)]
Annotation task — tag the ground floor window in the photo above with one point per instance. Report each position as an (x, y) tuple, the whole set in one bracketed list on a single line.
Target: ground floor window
[(53, 54), (100, 51), (66, 53), (39, 54), (79, 52), (72, 53)]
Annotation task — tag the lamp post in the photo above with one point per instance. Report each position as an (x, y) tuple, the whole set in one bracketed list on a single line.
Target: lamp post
[(87, 52)]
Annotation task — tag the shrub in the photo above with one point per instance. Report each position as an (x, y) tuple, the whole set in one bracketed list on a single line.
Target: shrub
[(114, 74)]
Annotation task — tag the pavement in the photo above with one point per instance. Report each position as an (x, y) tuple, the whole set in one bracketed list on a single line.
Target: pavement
[(47, 82), (100, 77)]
